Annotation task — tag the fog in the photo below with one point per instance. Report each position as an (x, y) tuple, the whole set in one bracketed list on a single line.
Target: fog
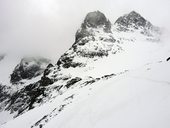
[(48, 27)]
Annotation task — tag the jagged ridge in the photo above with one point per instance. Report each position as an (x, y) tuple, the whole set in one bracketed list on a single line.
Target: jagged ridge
[(134, 20), (28, 68), (94, 40)]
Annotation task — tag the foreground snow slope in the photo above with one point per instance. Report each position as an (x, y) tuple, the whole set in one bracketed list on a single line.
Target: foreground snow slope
[(139, 98)]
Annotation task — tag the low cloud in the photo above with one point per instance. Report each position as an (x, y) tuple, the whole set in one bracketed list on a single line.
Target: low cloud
[(48, 26)]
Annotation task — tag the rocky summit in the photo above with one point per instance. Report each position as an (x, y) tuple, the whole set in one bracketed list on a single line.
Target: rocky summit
[(94, 19), (94, 23), (134, 20)]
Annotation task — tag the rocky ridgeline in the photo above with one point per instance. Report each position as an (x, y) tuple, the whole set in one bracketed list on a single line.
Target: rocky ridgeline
[(28, 68), (94, 40), (134, 21), (87, 44), (93, 20)]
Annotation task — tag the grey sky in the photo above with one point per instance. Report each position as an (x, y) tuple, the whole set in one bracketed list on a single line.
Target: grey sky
[(49, 26)]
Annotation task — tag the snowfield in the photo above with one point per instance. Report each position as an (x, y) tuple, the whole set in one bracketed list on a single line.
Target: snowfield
[(139, 98)]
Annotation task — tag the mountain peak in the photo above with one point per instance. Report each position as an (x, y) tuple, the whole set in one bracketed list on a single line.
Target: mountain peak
[(133, 20), (28, 68), (92, 20), (136, 18), (134, 13), (95, 19)]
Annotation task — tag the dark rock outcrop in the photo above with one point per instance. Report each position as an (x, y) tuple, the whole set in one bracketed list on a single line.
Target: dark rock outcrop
[(28, 96), (28, 68), (168, 59), (94, 19), (45, 81), (72, 82), (48, 69), (67, 61), (86, 36), (133, 19), (3, 93), (25, 99)]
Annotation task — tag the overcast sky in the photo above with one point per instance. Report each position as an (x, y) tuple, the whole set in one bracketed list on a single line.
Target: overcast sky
[(49, 26)]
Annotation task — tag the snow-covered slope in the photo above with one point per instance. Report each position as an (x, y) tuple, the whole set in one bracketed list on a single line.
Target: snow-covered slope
[(138, 98), (112, 76)]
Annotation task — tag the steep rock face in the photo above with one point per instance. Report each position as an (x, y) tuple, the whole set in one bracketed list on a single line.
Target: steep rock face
[(28, 68), (25, 99), (3, 94), (134, 21), (87, 43), (94, 19), (21, 97)]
